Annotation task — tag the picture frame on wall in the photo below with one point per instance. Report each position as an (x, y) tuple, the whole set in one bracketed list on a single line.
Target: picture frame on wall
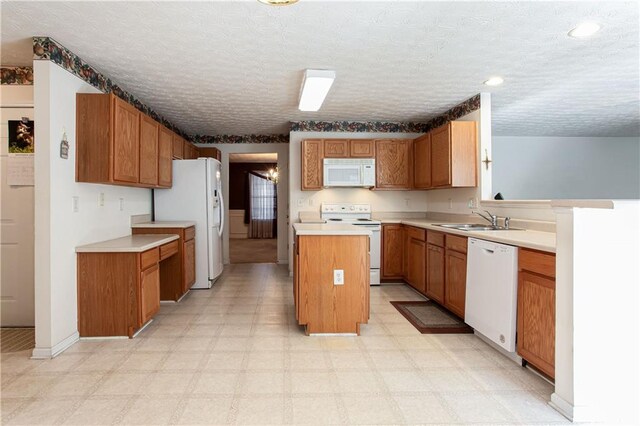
[(21, 138)]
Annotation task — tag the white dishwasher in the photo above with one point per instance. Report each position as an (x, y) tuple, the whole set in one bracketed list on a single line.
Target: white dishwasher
[(491, 294)]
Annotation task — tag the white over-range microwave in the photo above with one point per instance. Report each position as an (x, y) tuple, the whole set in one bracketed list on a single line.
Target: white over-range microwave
[(349, 172)]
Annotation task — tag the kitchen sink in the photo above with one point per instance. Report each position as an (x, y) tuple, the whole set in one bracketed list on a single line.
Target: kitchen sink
[(474, 227)]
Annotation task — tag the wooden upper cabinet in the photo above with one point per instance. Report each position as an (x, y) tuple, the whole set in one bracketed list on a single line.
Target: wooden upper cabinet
[(165, 155), (454, 155), (178, 147), (361, 148), (190, 151), (126, 142), (394, 164), (311, 171), (210, 152), (336, 148), (422, 162), (149, 133)]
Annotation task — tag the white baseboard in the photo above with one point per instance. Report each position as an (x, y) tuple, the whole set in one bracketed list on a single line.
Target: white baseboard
[(57, 349), (561, 406)]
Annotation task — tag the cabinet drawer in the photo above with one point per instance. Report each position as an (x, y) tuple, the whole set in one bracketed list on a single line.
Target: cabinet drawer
[(435, 238), (416, 233), (538, 262), (456, 243), (190, 233), (149, 258), (168, 249)]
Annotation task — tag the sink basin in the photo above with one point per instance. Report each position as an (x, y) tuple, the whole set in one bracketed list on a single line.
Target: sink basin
[(475, 227)]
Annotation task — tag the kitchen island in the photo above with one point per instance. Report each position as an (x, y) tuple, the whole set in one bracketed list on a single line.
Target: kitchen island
[(331, 277)]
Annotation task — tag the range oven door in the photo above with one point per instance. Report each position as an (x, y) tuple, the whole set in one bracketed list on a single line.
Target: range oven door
[(374, 252)]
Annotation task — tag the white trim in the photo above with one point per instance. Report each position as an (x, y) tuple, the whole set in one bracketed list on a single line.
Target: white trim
[(561, 406), (48, 353), (141, 329)]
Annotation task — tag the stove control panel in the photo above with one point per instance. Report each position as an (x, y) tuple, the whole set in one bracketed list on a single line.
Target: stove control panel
[(345, 208)]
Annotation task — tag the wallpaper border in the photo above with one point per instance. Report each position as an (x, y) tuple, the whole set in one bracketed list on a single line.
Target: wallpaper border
[(10, 76), (210, 139), (46, 48), (460, 110)]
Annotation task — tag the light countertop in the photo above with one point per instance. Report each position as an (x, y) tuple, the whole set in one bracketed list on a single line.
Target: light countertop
[(329, 229), (537, 240), (172, 224), (129, 244)]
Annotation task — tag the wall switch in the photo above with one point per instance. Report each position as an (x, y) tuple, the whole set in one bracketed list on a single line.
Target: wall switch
[(338, 277), (121, 200), (75, 204), (311, 201), (472, 203), (101, 200), (406, 202)]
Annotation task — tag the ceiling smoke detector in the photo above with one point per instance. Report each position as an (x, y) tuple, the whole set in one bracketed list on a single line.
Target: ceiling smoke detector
[(278, 2), (584, 29), (494, 81)]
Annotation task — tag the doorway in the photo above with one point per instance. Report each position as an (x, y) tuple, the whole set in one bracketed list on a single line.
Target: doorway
[(253, 200)]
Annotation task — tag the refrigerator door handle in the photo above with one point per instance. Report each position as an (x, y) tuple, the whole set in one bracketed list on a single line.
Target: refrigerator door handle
[(221, 209)]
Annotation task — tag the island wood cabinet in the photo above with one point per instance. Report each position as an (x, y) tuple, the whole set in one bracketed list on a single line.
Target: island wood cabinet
[(321, 306), (416, 257), (394, 164), (536, 326), (312, 153), (393, 242), (453, 155), (455, 273), (118, 145), (119, 292), (178, 273)]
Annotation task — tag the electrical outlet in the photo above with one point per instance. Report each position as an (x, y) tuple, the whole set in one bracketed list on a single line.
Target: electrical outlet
[(311, 202), (75, 204), (406, 202), (472, 203), (101, 200), (338, 277), (121, 200), (301, 202), (450, 204)]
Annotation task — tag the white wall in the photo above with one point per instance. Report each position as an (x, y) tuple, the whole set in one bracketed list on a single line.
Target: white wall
[(547, 168), (16, 227), (282, 149), (58, 230)]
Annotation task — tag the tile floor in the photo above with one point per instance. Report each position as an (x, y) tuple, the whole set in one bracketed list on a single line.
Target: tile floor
[(234, 355)]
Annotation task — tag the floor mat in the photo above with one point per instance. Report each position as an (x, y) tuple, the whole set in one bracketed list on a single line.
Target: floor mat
[(429, 318), (17, 339)]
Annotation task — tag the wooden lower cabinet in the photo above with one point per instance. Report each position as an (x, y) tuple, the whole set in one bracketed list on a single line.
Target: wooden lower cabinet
[(536, 327), (118, 292), (455, 281), (149, 293), (435, 273), (416, 264), (392, 251), (178, 273)]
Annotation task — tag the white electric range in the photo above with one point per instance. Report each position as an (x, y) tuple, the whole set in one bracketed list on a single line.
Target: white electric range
[(359, 215)]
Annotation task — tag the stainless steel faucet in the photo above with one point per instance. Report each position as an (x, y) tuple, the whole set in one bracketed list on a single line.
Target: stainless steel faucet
[(491, 218)]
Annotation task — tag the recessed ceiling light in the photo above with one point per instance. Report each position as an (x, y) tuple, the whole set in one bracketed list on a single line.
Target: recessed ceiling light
[(494, 81), (315, 86), (278, 2), (584, 29)]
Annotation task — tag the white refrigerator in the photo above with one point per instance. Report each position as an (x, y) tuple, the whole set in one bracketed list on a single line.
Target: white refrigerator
[(196, 195)]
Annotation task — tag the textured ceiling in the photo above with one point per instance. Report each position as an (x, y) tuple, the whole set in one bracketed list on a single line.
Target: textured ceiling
[(236, 67)]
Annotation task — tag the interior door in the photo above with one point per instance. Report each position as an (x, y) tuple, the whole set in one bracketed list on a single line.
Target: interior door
[(17, 230)]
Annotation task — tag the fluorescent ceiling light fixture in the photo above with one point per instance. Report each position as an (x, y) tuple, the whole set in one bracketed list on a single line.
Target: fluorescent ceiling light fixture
[(494, 81), (584, 29), (315, 86)]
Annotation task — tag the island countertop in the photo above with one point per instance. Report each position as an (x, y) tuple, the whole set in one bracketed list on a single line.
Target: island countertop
[(329, 229), (129, 244)]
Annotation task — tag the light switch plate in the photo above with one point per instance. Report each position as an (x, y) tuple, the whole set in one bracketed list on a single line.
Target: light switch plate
[(338, 277)]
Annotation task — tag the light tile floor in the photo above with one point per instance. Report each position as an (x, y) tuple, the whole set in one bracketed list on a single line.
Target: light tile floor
[(234, 355)]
